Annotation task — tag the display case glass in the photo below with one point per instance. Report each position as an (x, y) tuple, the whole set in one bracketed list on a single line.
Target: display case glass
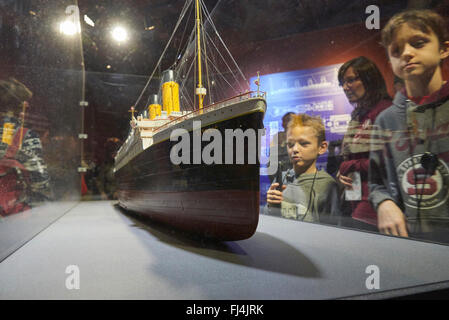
[(82, 81)]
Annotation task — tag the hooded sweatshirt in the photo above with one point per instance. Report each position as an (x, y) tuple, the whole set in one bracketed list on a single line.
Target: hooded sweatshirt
[(403, 133), (308, 197)]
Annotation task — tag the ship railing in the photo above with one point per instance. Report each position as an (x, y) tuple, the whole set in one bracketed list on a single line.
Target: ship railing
[(214, 106)]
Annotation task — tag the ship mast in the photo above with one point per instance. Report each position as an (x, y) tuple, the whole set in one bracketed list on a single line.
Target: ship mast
[(200, 91)]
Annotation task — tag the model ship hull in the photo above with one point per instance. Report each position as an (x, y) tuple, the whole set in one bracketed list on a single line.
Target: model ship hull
[(219, 201)]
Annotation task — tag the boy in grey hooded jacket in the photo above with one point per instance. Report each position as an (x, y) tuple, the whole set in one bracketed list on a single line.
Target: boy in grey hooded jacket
[(409, 173), (307, 194)]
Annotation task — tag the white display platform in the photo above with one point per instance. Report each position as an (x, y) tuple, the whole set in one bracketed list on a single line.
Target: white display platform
[(120, 257)]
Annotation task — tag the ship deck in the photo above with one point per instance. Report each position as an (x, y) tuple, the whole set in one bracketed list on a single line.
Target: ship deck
[(121, 257)]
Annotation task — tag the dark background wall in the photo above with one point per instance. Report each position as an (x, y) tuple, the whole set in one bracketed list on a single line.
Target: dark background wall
[(318, 48)]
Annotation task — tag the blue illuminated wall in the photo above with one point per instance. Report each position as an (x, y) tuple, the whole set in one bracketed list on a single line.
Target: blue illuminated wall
[(312, 91)]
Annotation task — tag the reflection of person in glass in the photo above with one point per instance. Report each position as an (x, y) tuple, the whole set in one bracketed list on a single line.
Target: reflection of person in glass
[(305, 193), (62, 166), (365, 89), (106, 183), (23, 174), (279, 141), (409, 177)]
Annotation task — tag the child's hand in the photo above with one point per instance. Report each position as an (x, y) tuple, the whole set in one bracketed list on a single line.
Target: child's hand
[(345, 181), (391, 220), (274, 196)]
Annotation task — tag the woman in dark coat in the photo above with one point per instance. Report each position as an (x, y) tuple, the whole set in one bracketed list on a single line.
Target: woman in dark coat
[(365, 89)]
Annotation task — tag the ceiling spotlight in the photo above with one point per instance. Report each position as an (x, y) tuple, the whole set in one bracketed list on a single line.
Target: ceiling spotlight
[(108, 66), (119, 34), (89, 20), (69, 28)]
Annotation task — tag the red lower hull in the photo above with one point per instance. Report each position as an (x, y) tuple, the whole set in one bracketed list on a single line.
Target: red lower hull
[(224, 215)]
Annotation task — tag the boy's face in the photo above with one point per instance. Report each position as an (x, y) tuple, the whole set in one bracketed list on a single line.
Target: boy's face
[(414, 54), (303, 148)]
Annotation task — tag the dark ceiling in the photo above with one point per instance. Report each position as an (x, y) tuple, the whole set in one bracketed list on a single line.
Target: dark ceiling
[(238, 21)]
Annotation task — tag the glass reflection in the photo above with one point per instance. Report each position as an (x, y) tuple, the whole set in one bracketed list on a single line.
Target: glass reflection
[(304, 193), (364, 87), (390, 163), (409, 173), (24, 178), (40, 90), (382, 166)]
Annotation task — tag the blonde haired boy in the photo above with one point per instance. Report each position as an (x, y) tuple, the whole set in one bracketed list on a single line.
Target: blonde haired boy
[(307, 194)]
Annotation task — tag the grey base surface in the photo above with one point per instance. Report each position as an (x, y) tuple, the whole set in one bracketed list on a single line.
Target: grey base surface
[(18, 229), (119, 257)]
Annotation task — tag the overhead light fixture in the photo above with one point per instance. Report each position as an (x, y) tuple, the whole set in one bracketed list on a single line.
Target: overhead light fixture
[(119, 34), (149, 28), (89, 21), (69, 28)]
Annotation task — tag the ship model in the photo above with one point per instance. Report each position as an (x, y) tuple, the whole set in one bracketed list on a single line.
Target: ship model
[(215, 199)]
